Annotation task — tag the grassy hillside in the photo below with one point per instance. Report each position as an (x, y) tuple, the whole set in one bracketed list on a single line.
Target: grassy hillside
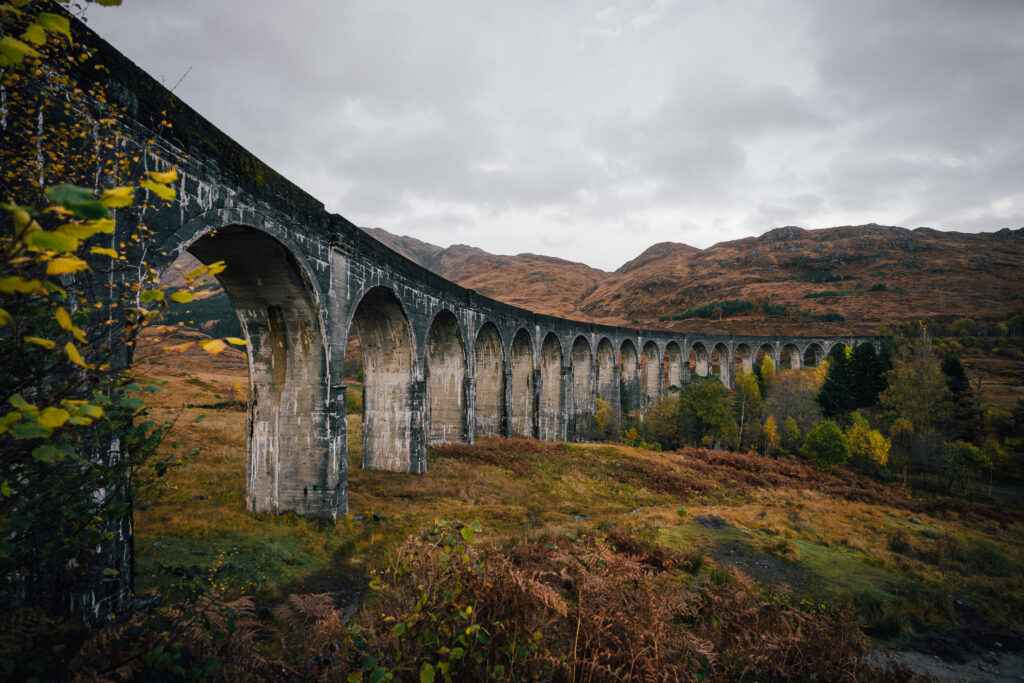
[(729, 563)]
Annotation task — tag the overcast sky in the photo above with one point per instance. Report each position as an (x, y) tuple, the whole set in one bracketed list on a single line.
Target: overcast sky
[(591, 130)]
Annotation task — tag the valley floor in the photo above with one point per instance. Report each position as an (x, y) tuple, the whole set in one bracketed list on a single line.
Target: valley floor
[(936, 583)]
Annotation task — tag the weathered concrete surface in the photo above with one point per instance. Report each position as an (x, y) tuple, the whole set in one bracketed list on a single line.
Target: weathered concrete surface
[(441, 363)]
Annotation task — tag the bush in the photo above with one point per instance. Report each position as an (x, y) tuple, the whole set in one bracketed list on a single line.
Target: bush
[(826, 446)]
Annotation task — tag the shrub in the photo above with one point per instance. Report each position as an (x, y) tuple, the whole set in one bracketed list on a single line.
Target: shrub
[(826, 446)]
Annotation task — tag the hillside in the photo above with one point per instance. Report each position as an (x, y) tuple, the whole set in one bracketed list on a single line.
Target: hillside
[(870, 274)]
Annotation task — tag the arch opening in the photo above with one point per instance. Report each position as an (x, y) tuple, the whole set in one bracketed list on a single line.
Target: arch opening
[(288, 437), (765, 354), (521, 400), (813, 355), (789, 357), (604, 363), (444, 374), (743, 359), (673, 364), (386, 342), (722, 363), (489, 371), (629, 377), (583, 393), (698, 360), (651, 368), (550, 416)]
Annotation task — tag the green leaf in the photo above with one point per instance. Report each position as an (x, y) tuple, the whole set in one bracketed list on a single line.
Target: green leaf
[(182, 297), (21, 522), (47, 453), (399, 628), (132, 403), (467, 534), (30, 430), (427, 673), (19, 402), (151, 295), (13, 51), (78, 200), (55, 23), (34, 34), (5, 489), (52, 241)]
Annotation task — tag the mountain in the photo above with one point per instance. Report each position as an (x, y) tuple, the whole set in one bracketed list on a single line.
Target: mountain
[(543, 284), (850, 279)]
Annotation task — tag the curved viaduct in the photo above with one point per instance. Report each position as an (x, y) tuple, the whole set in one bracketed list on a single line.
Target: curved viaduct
[(442, 363)]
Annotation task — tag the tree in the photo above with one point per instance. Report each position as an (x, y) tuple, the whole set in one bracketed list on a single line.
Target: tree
[(791, 433), (660, 423), (705, 413), (771, 436), (606, 427), (794, 394), (901, 438), (964, 413), (917, 388), (748, 407), (826, 446), (72, 303), (869, 450)]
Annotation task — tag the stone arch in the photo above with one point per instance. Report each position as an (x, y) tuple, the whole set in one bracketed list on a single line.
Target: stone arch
[(489, 371), (521, 403), (722, 363), (583, 393), (651, 368), (551, 413), (765, 352), (673, 364), (789, 357), (289, 435), (813, 355), (604, 363), (629, 376), (444, 375), (838, 348), (699, 360), (386, 340), (743, 358)]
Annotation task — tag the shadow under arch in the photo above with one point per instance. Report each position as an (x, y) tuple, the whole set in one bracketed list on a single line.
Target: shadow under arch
[(673, 367), (604, 366), (386, 340), (629, 377), (521, 421), (583, 394), (489, 371), (292, 464), (550, 414), (444, 374), (650, 363)]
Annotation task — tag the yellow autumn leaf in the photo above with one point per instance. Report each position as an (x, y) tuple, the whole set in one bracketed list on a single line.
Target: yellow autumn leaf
[(182, 297), (45, 343), (236, 341), (5, 317), (159, 190), (117, 197), (74, 355), (213, 346), (164, 177), (53, 417), (63, 318), (103, 251), (17, 284), (179, 348), (66, 264)]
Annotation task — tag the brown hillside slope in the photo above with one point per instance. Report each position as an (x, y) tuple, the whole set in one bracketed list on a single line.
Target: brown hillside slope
[(543, 284), (926, 274)]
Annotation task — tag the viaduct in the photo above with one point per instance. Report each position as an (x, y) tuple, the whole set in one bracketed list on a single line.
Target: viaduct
[(442, 363)]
